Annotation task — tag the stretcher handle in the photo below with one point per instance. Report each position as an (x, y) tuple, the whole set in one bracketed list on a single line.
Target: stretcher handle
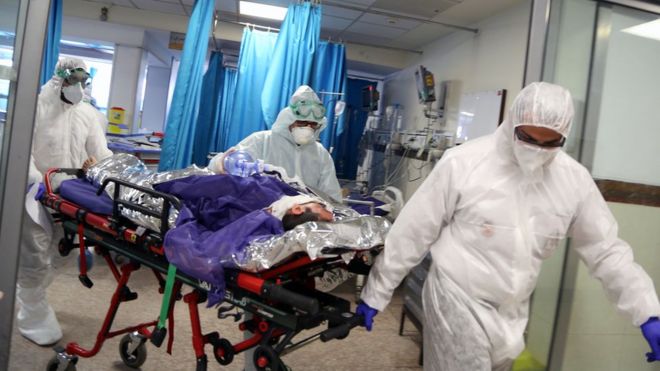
[(343, 329), (278, 293), (151, 192)]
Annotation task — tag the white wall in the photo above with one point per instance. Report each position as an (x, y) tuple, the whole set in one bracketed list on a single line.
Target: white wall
[(125, 79), (94, 30), (155, 99), (492, 59)]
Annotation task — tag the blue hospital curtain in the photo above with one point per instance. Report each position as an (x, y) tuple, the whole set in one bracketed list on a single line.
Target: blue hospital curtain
[(215, 102), (293, 58), (219, 136), (329, 75), (253, 61), (348, 152), (52, 42), (180, 130)]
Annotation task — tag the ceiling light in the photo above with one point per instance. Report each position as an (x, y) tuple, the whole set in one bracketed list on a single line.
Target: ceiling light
[(262, 10), (650, 30)]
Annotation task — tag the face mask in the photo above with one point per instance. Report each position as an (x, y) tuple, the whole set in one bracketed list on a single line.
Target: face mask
[(302, 136), (73, 93), (532, 158)]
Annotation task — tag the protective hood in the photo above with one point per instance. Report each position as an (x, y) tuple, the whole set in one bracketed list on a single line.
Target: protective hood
[(50, 92), (539, 104), (545, 105), (286, 116)]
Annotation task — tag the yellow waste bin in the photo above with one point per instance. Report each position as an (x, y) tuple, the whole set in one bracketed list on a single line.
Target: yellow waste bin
[(116, 116)]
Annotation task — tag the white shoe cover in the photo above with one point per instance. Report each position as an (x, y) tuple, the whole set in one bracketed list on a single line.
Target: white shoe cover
[(36, 319)]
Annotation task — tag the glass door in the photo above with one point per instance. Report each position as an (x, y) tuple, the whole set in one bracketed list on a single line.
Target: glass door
[(620, 145), (22, 30), (607, 56)]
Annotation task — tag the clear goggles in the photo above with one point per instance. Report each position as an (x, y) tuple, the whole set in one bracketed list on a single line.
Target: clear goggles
[(74, 76), (306, 110)]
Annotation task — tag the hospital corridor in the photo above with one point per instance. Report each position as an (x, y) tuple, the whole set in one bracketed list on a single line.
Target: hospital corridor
[(278, 185)]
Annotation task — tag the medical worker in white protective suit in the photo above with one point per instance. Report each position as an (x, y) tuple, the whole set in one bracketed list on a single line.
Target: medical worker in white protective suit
[(489, 213), (292, 144), (68, 134)]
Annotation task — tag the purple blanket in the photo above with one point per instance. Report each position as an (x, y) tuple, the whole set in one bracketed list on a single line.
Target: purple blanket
[(220, 216), (83, 193)]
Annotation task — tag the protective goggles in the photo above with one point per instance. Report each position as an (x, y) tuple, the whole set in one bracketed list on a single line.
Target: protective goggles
[(74, 76), (523, 136), (312, 124), (305, 110)]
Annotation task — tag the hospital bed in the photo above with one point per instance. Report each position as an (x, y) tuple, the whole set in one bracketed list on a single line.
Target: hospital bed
[(280, 299)]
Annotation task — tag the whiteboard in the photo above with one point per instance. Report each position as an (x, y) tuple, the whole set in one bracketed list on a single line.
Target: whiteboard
[(479, 114)]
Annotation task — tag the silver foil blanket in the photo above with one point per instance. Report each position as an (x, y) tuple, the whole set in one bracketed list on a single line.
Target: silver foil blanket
[(318, 239), (129, 168)]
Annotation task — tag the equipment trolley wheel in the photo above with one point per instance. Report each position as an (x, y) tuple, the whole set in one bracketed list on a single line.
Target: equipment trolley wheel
[(265, 359), (223, 351), (133, 350), (54, 364)]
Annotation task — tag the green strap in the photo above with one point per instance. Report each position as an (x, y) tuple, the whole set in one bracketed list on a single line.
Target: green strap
[(167, 295)]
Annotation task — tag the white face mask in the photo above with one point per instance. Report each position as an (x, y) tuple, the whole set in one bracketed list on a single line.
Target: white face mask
[(532, 158), (73, 93), (303, 135)]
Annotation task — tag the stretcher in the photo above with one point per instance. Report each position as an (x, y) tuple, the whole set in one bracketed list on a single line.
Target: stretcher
[(282, 301)]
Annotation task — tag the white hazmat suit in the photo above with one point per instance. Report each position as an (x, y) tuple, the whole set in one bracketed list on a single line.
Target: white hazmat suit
[(65, 135), (489, 220), (310, 162)]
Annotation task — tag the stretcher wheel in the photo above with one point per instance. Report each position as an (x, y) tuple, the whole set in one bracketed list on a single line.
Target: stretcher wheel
[(63, 247), (134, 359), (223, 351), (54, 363), (265, 359)]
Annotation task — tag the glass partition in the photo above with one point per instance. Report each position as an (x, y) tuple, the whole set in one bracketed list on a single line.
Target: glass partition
[(607, 57)]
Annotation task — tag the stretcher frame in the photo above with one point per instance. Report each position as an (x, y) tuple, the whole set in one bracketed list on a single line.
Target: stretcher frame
[(280, 300)]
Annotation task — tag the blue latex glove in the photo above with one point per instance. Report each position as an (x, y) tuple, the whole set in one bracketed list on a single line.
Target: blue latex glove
[(651, 331), (368, 313), (40, 192)]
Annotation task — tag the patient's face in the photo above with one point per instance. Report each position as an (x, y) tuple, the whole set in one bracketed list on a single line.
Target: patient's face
[(316, 208)]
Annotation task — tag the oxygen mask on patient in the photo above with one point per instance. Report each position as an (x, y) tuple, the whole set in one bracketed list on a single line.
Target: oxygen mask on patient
[(240, 163)]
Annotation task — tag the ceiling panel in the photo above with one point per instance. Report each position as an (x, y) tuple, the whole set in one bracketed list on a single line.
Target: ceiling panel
[(227, 6), (471, 11), (169, 1), (420, 8), (363, 3), (124, 3), (158, 6), (282, 3), (340, 12), (188, 2), (421, 36), (365, 39), (390, 21), (334, 23), (375, 30)]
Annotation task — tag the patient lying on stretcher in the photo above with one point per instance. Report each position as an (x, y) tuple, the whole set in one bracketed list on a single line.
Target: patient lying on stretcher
[(249, 223), (291, 207)]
